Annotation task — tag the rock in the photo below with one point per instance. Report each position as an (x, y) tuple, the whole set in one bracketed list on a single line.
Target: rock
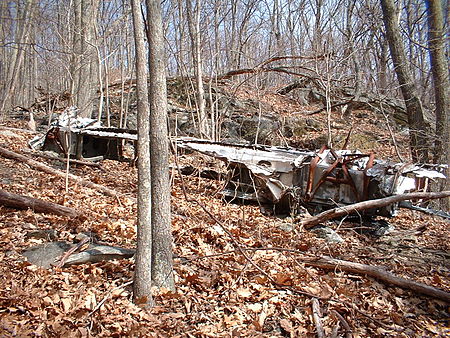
[(42, 234), (327, 234), (287, 227), (46, 255)]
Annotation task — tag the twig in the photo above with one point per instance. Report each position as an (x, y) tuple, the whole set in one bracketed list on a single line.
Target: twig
[(348, 330), (99, 304), (64, 257), (317, 314)]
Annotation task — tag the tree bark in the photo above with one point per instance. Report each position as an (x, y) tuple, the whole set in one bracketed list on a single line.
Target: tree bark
[(378, 203), (417, 126), (162, 265), (143, 267), (16, 201), (439, 68), (84, 68), (194, 32), (19, 55)]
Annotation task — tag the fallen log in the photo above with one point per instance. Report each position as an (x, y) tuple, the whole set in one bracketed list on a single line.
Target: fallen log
[(45, 168), (371, 204), (379, 273), (16, 201), (64, 160)]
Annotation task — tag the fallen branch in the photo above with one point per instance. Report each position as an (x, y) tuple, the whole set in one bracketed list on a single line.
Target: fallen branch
[(378, 273), (16, 201), (69, 252), (64, 160), (45, 168), (317, 314), (348, 330), (19, 130), (378, 203)]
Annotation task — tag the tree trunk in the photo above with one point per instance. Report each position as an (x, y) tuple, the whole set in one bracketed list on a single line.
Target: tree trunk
[(143, 272), (19, 54), (414, 109), (84, 67), (439, 68), (162, 265), (194, 32)]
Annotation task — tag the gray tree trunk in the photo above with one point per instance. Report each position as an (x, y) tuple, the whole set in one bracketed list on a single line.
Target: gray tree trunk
[(162, 265), (143, 272), (417, 126), (439, 68), (194, 32), (84, 69), (24, 24)]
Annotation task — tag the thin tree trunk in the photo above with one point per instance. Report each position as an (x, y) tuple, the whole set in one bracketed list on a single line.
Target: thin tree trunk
[(143, 272), (414, 109), (13, 74), (439, 68), (194, 32), (162, 265)]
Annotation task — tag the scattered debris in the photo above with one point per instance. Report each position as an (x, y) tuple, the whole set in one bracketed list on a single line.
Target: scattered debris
[(288, 178), (83, 138)]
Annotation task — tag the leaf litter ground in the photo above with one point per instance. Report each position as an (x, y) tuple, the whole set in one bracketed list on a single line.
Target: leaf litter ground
[(220, 292)]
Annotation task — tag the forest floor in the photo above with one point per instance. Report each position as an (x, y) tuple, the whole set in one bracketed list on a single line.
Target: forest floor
[(219, 292)]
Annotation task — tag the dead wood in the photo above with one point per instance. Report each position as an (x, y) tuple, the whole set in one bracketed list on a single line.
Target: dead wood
[(19, 130), (379, 273), (371, 204), (45, 168), (15, 201), (64, 160), (348, 330), (77, 247), (317, 314)]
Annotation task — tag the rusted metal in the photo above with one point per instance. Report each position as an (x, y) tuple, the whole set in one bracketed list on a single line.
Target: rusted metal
[(284, 177)]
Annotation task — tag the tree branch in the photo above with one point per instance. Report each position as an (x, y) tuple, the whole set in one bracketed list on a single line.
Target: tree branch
[(378, 203)]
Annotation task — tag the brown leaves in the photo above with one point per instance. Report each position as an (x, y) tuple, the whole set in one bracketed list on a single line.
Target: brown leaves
[(219, 292)]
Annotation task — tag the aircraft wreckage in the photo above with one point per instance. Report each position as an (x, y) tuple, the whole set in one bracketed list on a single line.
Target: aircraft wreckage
[(289, 179), (283, 179)]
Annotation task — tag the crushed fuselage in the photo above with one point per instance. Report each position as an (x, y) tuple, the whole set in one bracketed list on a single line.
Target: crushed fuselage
[(288, 178)]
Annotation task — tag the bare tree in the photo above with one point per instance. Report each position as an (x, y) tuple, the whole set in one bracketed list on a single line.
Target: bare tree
[(84, 62), (194, 32), (22, 35), (162, 265), (143, 268), (414, 109), (439, 68)]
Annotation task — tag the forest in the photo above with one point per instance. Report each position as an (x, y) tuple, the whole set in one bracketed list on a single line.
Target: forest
[(257, 168)]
